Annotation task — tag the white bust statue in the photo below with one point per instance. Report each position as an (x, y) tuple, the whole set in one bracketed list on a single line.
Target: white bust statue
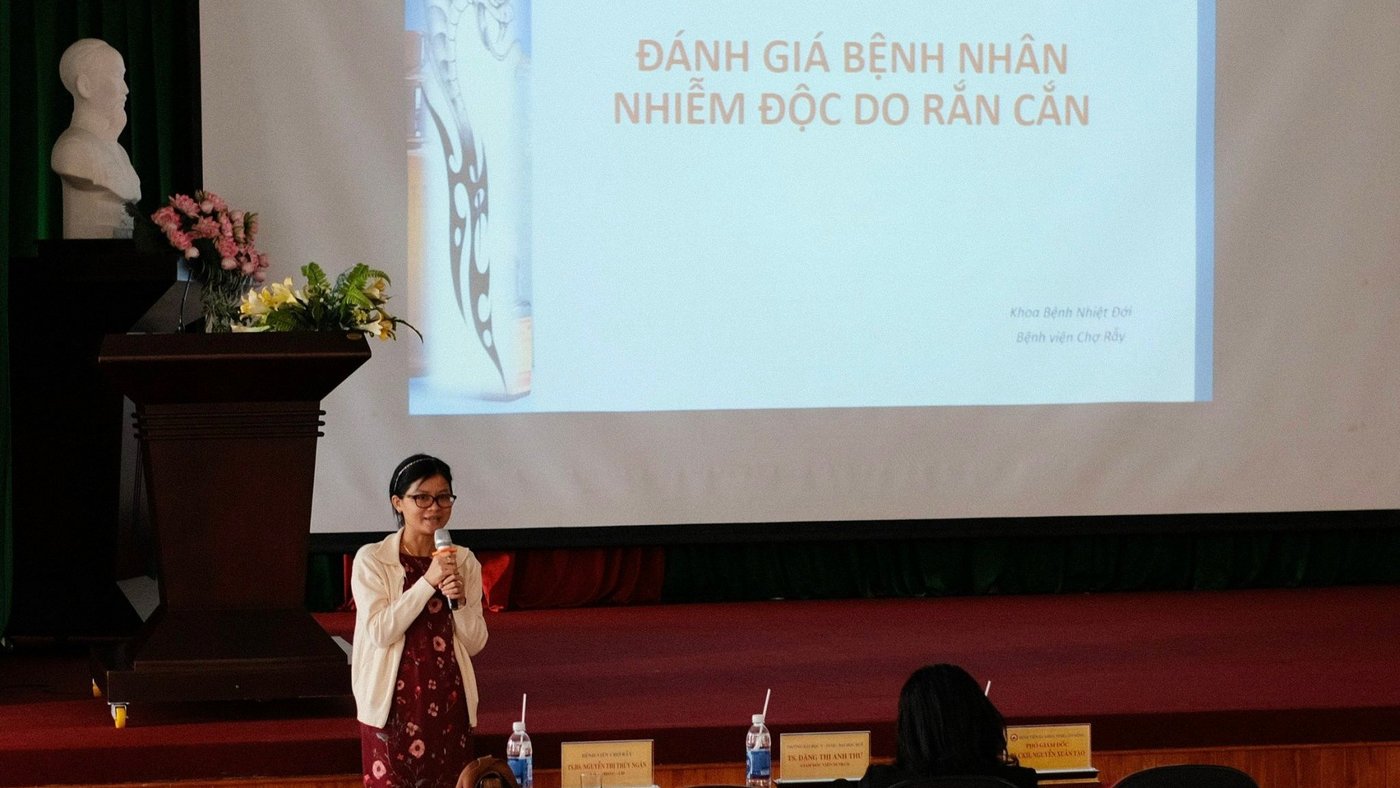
[(97, 175)]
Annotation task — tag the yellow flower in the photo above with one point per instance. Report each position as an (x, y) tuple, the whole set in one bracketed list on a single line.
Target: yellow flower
[(278, 294), (252, 305), (319, 306), (380, 327), (375, 290), (374, 328)]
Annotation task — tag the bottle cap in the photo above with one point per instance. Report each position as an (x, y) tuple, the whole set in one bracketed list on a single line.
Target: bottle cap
[(758, 719), (518, 727)]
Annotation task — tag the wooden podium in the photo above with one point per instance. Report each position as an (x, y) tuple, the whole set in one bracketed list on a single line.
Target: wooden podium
[(227, 425)]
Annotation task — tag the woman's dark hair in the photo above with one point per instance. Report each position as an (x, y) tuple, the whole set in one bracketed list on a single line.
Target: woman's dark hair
[(947, 725), (413, 469)]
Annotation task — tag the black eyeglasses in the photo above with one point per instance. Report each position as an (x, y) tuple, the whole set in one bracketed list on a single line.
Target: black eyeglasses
[(424, 500)]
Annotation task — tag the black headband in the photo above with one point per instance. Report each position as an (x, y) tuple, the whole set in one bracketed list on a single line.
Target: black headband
[(394, 482)]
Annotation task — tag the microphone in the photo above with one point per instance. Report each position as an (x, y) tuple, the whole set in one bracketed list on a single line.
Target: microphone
[(442, 541)]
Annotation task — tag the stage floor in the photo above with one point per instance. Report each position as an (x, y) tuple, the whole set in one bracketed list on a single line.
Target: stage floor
[(1149, 671)]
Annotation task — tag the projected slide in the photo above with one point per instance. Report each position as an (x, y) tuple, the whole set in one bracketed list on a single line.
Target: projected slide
[(655, 206)]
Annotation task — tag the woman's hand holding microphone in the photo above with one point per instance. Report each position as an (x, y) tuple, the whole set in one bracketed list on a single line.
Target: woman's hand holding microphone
[(442, 575)]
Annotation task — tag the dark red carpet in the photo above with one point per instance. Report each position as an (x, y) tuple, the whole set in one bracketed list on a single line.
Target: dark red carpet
[(1148, 670)]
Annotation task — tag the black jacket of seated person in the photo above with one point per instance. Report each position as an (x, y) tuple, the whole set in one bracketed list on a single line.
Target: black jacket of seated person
[(947, 726)]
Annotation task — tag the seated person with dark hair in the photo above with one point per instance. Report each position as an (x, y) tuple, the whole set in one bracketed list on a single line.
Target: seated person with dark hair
[(947, 726)]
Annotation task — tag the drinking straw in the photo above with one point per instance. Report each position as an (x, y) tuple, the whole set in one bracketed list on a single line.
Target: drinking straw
[(766, 696), (988, 690), (523, 696)]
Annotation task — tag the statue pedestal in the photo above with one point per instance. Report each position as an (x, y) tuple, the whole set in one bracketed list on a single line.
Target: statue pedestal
[(67, 438)]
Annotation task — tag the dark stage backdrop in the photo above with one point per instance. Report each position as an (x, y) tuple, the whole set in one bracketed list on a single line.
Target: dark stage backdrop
[(159, 42)]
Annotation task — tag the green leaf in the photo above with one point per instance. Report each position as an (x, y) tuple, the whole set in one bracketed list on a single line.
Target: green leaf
[(342, 306), (283, 320)]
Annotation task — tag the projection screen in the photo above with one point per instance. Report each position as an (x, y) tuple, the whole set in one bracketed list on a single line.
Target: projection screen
[(735, 262)]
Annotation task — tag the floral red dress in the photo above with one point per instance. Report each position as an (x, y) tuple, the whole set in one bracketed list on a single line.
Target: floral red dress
[(427, 739)]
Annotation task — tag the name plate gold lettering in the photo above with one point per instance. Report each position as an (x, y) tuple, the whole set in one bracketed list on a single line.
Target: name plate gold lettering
[(1050, 748), (823, 756), (605, 764)]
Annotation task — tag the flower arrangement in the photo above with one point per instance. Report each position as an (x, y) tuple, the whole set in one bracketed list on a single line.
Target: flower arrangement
[(356, 301), (217, 244)]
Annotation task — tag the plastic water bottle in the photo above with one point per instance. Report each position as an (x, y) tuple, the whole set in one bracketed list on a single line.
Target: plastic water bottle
[(521, 756), (759, 747)]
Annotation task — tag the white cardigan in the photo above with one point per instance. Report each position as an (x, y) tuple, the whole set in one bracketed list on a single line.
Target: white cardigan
[(383, 612)]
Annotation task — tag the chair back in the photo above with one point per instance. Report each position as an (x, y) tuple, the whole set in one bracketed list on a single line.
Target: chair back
[(1188, 775), (956, 781), (487, 772)]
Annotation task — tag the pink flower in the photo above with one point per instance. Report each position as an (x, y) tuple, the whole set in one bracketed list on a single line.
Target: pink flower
[(179, 240), (185, 205), (186, 220), (166, 218), (432, 710), (379, 770), (434, 605), (399, 686), (416, 748), (439, 644)]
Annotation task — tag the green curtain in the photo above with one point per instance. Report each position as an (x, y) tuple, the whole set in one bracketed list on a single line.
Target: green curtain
[(6, 200), (159, 41)]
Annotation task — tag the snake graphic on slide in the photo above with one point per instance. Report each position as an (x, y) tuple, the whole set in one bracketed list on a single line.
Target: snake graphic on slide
[(467, 182)]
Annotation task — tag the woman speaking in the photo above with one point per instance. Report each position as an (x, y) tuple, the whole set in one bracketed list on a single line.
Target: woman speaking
[(411, 670)]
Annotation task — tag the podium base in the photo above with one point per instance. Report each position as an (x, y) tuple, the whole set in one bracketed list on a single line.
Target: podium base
[(213, 655)]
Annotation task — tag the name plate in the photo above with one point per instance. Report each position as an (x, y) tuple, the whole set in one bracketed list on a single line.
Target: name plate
[(605, 764), (1050, 748), (824, 756)]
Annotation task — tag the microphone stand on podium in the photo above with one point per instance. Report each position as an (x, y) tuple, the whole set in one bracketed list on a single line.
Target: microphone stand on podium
[(227, 425)]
